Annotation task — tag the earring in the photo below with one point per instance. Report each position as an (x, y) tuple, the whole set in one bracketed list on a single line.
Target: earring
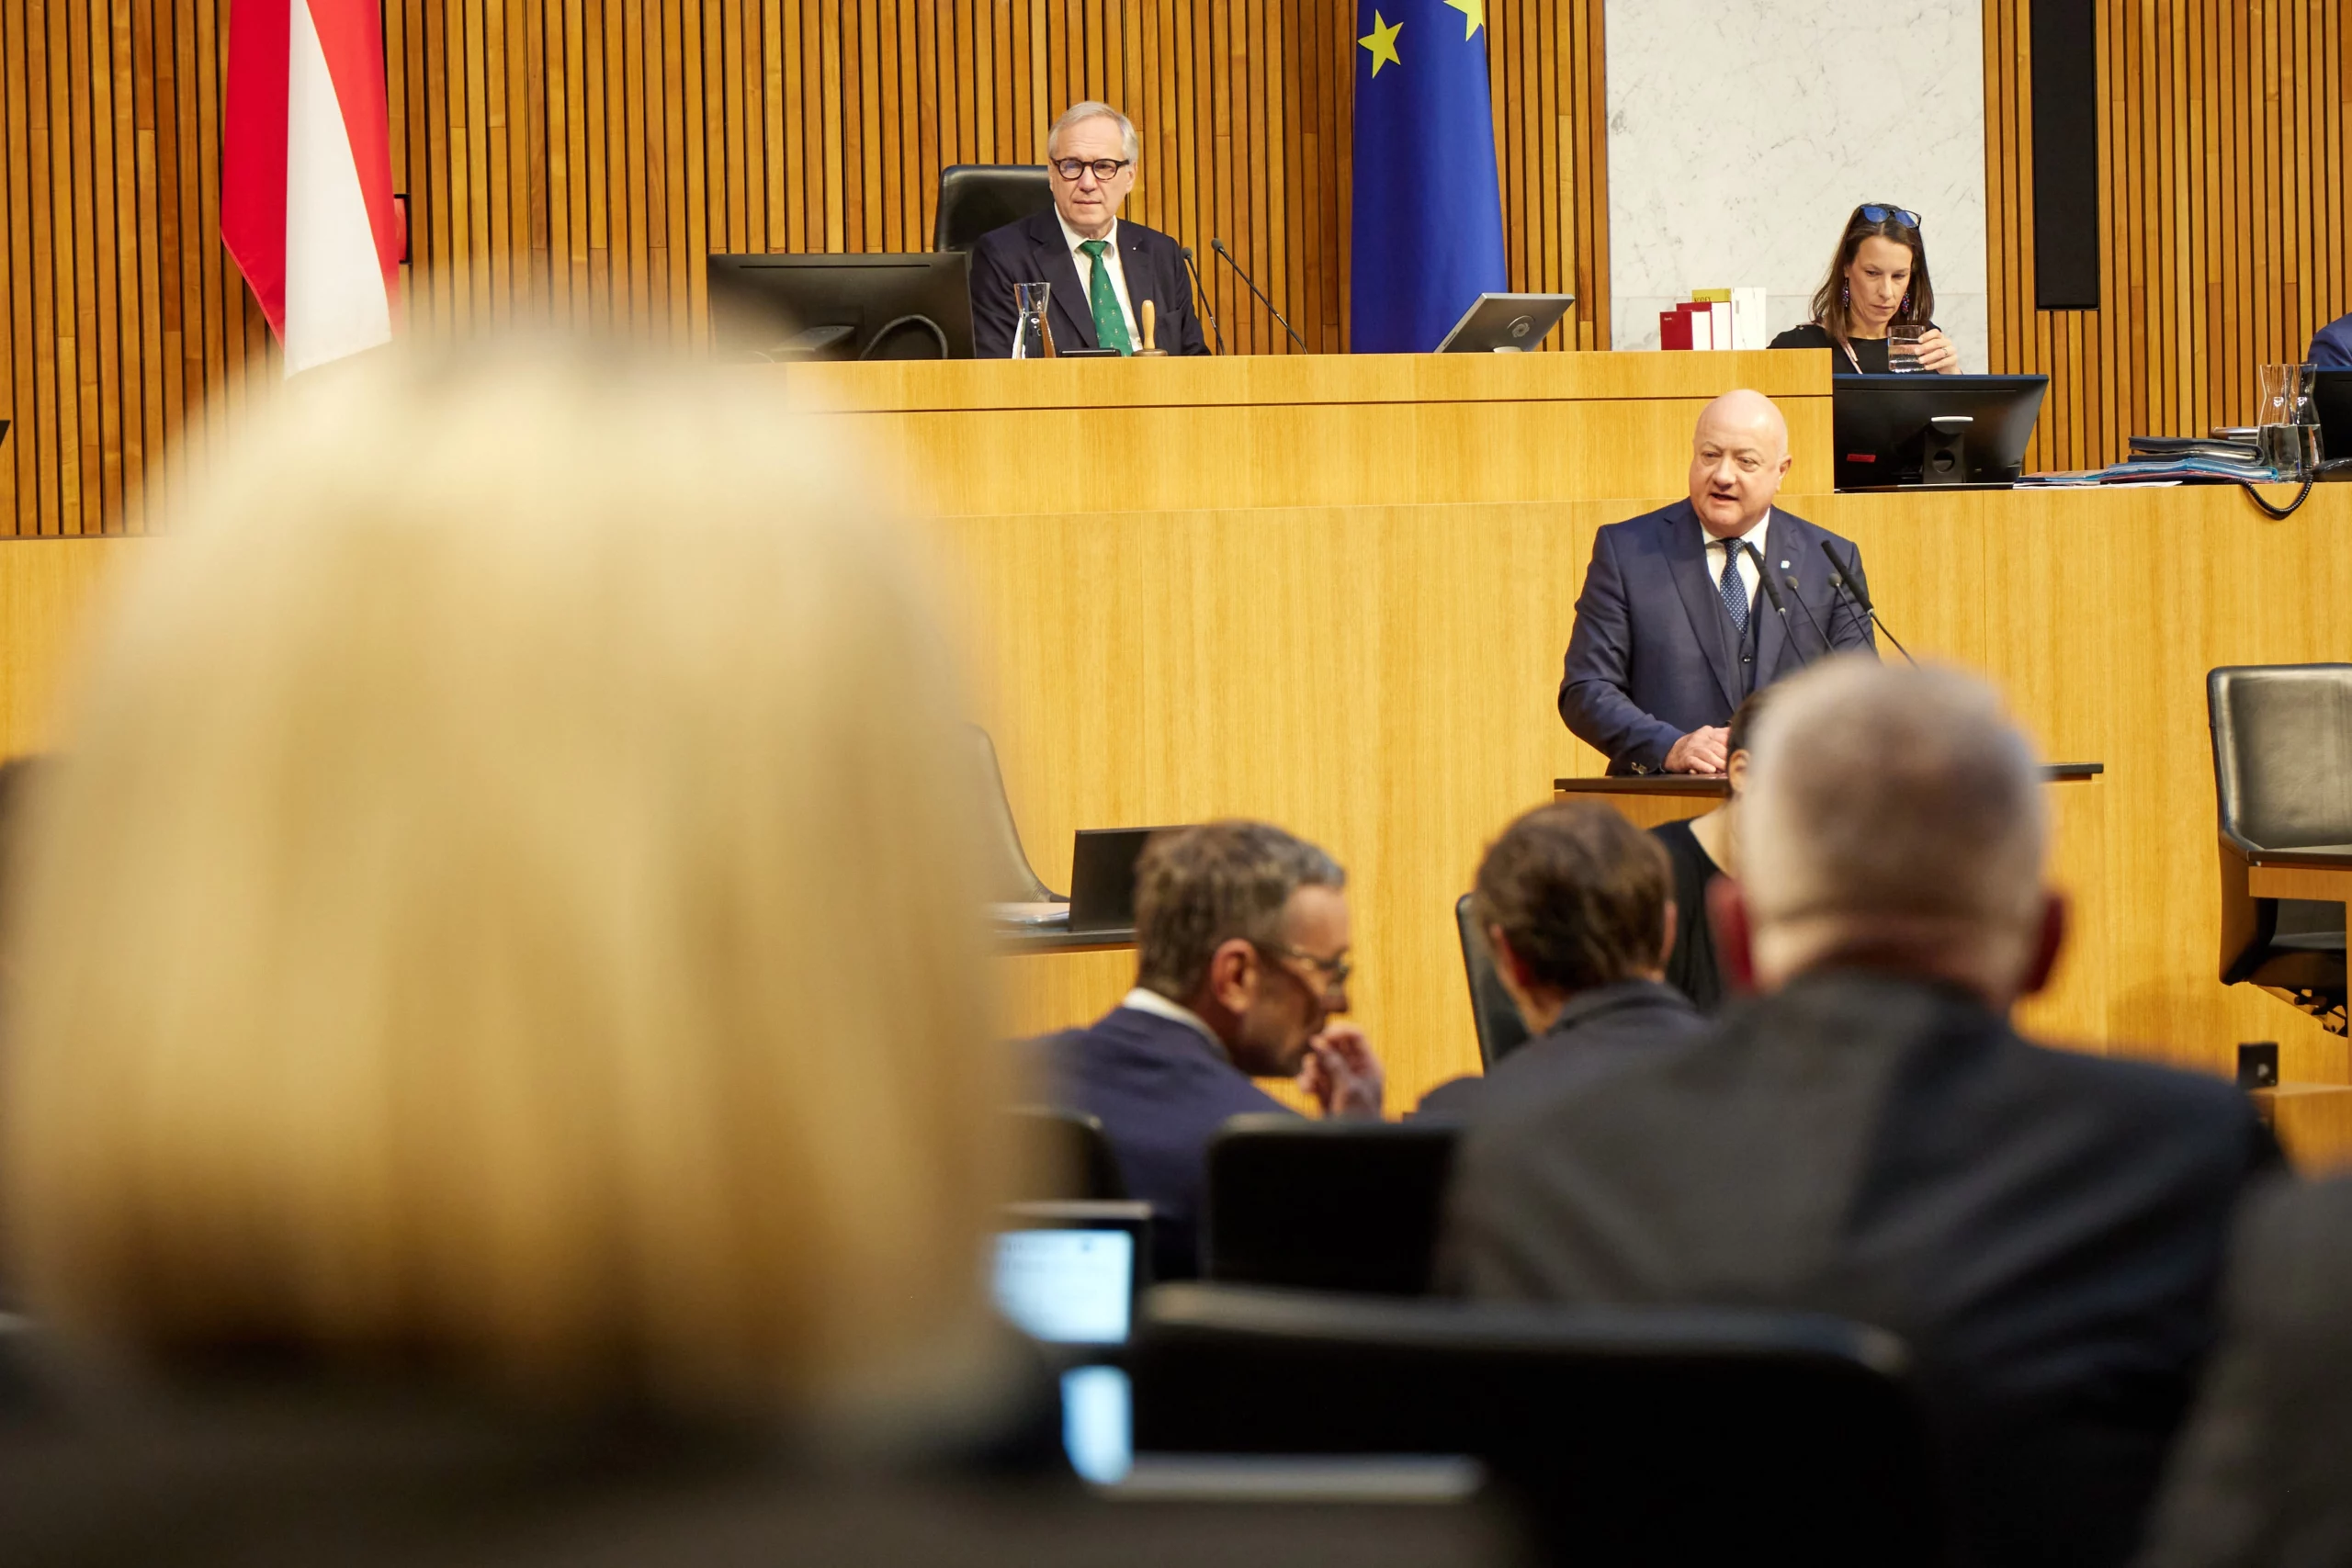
[(1906, 302), (1845, 295)]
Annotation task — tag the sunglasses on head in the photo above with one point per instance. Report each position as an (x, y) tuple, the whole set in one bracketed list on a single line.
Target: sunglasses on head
[(1879, 212)]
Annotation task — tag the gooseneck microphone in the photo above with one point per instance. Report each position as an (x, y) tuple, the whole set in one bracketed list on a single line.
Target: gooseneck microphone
[(1847, 581), (1798, 594), (1201, 292), (1218, 246)]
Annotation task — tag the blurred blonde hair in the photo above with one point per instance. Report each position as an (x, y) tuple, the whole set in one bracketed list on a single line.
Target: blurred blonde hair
[(505, 901)]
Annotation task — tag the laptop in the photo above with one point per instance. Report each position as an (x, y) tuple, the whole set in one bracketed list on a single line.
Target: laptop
[(2332, 399), (1068, 1275), (1102, 880)]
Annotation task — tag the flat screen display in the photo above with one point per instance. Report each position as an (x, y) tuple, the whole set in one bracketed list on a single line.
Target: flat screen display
[(1067, 1287)]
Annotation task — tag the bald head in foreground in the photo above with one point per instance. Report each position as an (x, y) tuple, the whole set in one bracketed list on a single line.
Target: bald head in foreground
[(1871, 1138), (1688, 609)]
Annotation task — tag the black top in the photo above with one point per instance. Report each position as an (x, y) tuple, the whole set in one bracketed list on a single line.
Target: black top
[(1595, 1031), (2044, 1228), (1870, 351), (1693, 967)]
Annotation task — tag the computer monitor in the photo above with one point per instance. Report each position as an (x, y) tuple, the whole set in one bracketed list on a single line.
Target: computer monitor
[(1924, 429), (842, 307), (1506, 321), (2332, 399), (1069, 1273), (1103, 879)]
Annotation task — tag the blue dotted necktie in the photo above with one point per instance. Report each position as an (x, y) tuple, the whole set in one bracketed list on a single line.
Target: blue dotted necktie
[(1735, 592)]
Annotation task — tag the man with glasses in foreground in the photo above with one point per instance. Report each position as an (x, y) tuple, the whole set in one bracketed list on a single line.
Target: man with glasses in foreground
[(1102, 269), (1241, 948)]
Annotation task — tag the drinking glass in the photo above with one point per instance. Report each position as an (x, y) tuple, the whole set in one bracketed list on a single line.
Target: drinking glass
[(1029, 339), (2289, 438), (1902, 349)]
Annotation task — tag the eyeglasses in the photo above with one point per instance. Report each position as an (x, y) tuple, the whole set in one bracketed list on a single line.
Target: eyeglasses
[(1106, 169), (1879, 212), (1334, 970)]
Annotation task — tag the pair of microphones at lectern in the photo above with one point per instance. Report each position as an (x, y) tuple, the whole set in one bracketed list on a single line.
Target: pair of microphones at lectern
[(1847, 581), (1201, 292)]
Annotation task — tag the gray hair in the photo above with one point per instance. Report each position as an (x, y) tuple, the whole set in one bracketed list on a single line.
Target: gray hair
[(1198, 888), (1090, 110), (1898, 801)]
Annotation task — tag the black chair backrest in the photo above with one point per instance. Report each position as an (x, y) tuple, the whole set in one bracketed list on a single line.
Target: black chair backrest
[(2282, 753), (1068, 1157), (976, 197), (1010, 876), (1654, 1436), (1334, 1205), (1500, 1029)]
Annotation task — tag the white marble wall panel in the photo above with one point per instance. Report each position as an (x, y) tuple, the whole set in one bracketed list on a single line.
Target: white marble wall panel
[(1741, 132)]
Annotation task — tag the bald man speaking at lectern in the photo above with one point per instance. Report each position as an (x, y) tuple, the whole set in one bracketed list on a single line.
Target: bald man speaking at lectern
[(1688, 609)]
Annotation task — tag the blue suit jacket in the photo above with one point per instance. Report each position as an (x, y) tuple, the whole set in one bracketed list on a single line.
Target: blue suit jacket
[(1652, 656), (1032, 251), (2331, 345), (1162, 1093)]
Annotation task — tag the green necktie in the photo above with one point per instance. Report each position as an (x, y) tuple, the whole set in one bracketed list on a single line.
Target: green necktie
[(1110, 327)]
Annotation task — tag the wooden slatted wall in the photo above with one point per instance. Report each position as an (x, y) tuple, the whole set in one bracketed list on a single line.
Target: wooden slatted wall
[(574, 160), (2225, 221)]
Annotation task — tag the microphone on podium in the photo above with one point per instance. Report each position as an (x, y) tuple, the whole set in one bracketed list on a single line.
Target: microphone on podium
[(1218, 246), (1200, 297), (1853, 589), (1818, 629)]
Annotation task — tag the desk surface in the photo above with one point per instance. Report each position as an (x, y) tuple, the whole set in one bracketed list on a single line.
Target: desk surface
[(1715, 786)]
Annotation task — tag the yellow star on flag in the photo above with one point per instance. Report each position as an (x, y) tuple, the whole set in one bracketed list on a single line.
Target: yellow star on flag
[(1382, 40), (1474, 13)]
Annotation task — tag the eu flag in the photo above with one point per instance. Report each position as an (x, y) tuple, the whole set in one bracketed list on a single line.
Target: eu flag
[(1429, 216)]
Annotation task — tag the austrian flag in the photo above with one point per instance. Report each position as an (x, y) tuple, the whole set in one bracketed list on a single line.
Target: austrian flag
[(306, 173)]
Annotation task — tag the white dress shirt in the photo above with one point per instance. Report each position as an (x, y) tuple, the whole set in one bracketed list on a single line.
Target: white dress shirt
[(1747, 558), (1160, 1006), (1086, 282)]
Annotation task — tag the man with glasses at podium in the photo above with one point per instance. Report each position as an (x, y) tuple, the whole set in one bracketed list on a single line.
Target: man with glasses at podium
[(1104, 271)]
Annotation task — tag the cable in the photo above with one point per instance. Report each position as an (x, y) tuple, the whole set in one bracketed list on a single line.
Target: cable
[(2288, 510)]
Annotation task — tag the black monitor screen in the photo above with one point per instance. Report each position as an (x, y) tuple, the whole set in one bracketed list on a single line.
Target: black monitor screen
[(2332, 399), (1929, 429), (917, 306)]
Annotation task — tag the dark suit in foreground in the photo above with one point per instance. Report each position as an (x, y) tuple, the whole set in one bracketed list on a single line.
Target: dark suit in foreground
[(2044, 1229), (2264, 1473), (1654, 657), (1034, 251), (1595, 1032), (1162, 1092)]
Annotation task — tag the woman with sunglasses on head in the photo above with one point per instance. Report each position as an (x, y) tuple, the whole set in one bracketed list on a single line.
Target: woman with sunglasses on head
[(1878, 281)]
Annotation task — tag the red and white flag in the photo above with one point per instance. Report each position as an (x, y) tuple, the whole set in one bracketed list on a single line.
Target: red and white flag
[(306, 173)]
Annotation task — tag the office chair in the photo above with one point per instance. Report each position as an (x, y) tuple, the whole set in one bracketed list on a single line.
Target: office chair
[(2282, 781), (1650, 1435), (1334, 1205), (1011, 878), (1500, 1029), (1068, 1157), (976, 197)]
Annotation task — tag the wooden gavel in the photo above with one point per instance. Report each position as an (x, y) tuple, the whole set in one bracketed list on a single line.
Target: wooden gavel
[(1146, 318)]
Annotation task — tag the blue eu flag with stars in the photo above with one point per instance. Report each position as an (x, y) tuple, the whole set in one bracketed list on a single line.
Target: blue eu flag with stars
[(1428, 217)]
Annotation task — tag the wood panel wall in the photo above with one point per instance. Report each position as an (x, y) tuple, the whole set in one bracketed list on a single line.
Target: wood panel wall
[(2224, 215), (574, 160)]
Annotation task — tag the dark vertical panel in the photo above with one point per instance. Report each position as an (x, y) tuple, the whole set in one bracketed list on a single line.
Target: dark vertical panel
[(2067, 144)]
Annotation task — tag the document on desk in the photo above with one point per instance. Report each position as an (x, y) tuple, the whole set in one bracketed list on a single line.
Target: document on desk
[(1030, 916)]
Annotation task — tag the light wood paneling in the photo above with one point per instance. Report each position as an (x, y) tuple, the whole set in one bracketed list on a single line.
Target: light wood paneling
[(1382, 679), (574, 161), (47, 590), (1087, 436), (2224, 218)]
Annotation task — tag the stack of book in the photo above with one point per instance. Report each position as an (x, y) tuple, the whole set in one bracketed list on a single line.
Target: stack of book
[(2173, 459), (1714, 318)]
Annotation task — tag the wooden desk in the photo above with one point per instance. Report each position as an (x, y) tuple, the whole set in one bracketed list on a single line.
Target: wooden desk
[(1649, 799), (1376, 667)]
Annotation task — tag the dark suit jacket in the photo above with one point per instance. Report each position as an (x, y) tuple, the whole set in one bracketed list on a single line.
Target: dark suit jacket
[(1162, 1093), (2045, 1229), (299, 1477), (2331, 345), (1598, 1030), (1652, 656), (2264, 1472), (1032, 251)]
